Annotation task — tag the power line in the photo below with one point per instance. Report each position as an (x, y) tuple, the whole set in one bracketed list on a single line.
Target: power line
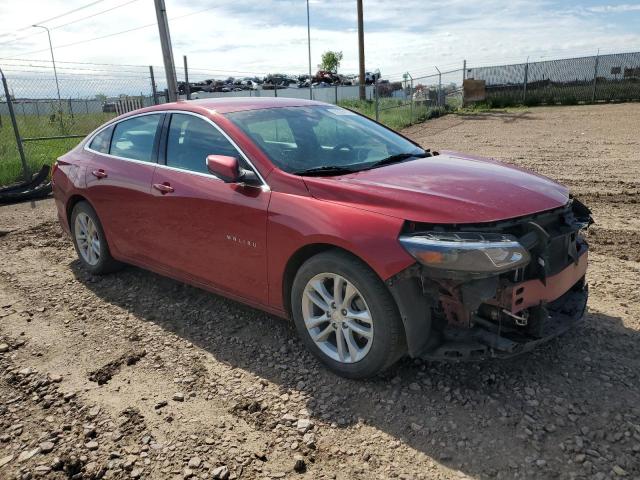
[(71, 22), (39, 32), (87, 40), (29, 63), (56, 17), (95, 14), (70, 11), (77, 63), (71, 76), (16, 65), (115, 33)]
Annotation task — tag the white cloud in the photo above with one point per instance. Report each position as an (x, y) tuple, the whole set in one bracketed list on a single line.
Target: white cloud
[(271, 35), (621, 8)]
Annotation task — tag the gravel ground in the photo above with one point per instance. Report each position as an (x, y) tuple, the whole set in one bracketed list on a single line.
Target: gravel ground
[(137, 376)]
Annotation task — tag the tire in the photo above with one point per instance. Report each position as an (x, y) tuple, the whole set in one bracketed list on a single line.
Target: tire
[(85, 224), (365, 356)]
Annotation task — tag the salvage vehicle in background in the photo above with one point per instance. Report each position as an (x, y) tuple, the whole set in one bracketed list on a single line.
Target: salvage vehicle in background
[(375, 247)]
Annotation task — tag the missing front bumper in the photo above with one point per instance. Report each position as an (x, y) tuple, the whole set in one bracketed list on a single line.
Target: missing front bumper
[(490, 341)]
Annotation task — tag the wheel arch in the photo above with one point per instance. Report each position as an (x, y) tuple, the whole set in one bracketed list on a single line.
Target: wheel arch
[(302, 255), (72, 202), (293, 265)]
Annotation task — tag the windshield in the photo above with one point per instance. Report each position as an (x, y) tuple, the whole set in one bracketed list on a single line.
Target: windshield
[(322, 139)]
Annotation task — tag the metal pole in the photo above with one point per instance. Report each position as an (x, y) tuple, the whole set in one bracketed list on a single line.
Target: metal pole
[(595, 77), (154, 92), (55, 74), (309, 47), (439, 86), (464, 70), (411, 91), (14, 122), (526, 80), (362, 91), (167, 52), (375, 91), (336, 94), (410, 86), (187, 87)]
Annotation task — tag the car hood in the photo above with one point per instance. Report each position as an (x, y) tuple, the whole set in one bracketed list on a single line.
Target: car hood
[(446, 188)]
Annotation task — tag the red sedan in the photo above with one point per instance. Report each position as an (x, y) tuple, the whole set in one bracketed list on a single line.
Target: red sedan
[(375, 247)]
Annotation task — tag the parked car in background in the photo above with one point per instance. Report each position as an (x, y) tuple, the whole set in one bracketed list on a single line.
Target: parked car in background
[(108, 107), (374, 246)]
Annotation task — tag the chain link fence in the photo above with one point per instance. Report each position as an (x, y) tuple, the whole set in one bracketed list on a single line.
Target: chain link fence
[(54, 109), (410, 100), (614, 77)]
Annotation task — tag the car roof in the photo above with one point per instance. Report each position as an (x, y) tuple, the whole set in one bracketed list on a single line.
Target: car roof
[(234, 104)]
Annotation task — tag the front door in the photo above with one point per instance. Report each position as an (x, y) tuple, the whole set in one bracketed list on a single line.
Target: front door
[(207, 230)]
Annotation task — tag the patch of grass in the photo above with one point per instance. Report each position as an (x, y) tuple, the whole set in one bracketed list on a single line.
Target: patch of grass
[(483, 107), (42, 152), (569, 94), (394, 113)]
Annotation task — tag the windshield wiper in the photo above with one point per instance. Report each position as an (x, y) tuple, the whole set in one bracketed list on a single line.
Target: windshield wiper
[(397, 158), (325, 170), (341, 170)]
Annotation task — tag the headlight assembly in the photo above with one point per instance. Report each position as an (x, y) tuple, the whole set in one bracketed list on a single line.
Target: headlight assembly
[(466, 251)]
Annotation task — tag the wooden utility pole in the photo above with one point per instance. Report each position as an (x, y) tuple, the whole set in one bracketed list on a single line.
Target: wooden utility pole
[(363, 91), (167, 51)]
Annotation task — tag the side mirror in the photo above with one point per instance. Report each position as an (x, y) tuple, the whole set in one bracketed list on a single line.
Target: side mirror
[(223, 167), (229, 171)]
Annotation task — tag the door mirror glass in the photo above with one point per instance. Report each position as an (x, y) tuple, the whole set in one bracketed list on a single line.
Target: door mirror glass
[(225, 168)]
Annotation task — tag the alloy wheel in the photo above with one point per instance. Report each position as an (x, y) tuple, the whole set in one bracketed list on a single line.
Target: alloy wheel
[(337, 318), (87, 238)]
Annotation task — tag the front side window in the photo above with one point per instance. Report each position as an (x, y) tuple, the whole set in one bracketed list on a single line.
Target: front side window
[(191, 140), (134, 138), (101, 141), (319, 139)]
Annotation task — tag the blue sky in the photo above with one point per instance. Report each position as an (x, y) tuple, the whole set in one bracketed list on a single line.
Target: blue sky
[(270, 35)]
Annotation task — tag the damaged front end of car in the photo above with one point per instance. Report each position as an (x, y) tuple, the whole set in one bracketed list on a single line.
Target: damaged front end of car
[(493, 289)]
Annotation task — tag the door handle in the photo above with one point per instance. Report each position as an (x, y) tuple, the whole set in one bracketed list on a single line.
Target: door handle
[(100, 173), (163, 187)]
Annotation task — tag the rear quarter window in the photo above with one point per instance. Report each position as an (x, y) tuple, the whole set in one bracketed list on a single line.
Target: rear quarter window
[(134, 138), (102, 141)]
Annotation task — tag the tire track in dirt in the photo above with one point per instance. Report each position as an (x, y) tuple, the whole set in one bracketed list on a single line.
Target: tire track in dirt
[(622, 244), (223, 386)]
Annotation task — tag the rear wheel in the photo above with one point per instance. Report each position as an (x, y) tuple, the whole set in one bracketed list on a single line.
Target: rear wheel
[(90, 241), (346, 316)]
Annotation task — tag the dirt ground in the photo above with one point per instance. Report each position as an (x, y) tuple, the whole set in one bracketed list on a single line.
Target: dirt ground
[(136, 376)]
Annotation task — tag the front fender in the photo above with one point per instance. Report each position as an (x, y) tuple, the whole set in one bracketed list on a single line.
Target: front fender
[(297, 221)]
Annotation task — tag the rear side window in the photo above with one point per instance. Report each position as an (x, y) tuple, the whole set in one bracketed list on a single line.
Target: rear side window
[(134, 138), (101, 141), (191, 140)]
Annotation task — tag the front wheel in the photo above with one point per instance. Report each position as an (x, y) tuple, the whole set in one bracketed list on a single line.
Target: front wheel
[(346, 316)]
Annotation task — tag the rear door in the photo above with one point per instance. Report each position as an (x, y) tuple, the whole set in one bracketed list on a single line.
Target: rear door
[(122, 160), (207, 230)]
